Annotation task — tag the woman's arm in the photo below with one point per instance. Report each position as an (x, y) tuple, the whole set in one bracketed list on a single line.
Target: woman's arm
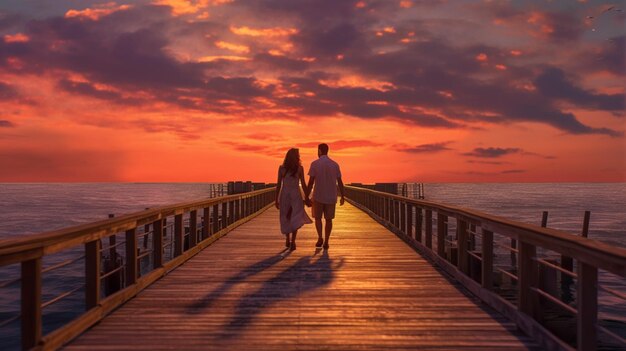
[(303, 181), (279, 184)]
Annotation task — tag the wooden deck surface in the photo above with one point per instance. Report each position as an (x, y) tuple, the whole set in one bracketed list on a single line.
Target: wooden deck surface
[(370, 291)]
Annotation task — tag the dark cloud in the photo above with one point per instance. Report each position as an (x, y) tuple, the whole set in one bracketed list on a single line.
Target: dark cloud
[(492, 152), (338, 39), (431, 82), (553, 83), (88, 89), (7, 92), (425, 148), (6, 124), (281, 62)]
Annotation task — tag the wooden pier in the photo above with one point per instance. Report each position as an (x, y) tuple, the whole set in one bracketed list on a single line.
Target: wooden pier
[(400, 273), (369, 291)]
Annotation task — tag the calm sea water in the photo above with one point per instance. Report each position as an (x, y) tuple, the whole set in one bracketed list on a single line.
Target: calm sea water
[(33, 208)]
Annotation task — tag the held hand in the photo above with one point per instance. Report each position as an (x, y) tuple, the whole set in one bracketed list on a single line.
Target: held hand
[(342, 201), (277, 204), (308, 202)]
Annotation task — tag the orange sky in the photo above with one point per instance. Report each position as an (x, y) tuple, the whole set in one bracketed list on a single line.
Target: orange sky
[(219, 90)]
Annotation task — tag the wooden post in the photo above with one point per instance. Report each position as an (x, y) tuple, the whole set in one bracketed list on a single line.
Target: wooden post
[(92, 273), (461, 243), (216, 218), (418, 224), (131, 256), (193, 228), (231, 212), (146, 228), (224, 215), (179, 238), (386, 209), (585, 232), (487, 256), (237, 215), (396, 214), (206, 222), (527, 278), (428, 228), (112, 250), (31, 303), (441, 235), (587, 299), (157, 243), (402, 207), (409, 220)]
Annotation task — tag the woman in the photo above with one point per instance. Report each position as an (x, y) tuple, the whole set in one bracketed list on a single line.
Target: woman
[(289, 198)]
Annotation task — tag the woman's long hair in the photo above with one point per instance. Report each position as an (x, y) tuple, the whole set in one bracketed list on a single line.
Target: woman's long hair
[(292, 161)]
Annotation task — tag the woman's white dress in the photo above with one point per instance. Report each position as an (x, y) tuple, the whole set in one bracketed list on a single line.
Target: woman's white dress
[(291, 204)]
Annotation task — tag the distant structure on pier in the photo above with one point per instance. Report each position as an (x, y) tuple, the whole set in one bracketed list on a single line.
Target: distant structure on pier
[(240, 187), (410, 190)]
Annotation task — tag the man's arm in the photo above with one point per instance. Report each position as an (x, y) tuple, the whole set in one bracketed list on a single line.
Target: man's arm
[(341, 191), (307, 191)]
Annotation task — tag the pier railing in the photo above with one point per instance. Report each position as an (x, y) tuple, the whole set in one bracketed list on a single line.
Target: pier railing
[(192, 227), (521, 283)]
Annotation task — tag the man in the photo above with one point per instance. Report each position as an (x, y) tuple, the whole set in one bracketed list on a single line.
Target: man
[(324, 173)]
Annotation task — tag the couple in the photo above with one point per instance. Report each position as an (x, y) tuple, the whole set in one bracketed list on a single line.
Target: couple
[(325, 175)]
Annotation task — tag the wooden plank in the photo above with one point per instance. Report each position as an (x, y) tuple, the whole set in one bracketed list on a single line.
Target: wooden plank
[(31, 303), (369, 291)]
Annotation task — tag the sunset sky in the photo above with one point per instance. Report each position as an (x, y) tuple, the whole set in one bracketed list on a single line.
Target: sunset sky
[(217, 90)]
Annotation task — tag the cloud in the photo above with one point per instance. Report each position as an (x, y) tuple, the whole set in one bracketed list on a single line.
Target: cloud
[(426, 148), (7, 92), (513, 171), (60, 164), (6, 124), (88, 89), (492, 152), (137, 50), (341, 144), (553, 83)]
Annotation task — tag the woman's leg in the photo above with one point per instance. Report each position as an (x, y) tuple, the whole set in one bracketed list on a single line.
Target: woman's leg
[(287, 241), (293, 239)]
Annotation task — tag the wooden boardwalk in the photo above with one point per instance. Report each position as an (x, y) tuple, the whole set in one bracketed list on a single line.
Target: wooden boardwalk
[(370, 291)]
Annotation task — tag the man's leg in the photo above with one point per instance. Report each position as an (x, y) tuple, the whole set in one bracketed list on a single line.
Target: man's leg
[(328, 228), (317, 214), (318, 227)]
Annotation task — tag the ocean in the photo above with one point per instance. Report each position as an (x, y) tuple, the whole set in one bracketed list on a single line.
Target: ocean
[(36, 207)]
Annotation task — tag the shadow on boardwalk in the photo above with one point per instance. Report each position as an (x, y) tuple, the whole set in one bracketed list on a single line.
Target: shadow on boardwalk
[(306, 274)]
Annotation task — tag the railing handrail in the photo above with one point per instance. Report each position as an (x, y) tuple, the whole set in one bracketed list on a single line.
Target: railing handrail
[(597, 253), (38, 245), (475, 269)]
